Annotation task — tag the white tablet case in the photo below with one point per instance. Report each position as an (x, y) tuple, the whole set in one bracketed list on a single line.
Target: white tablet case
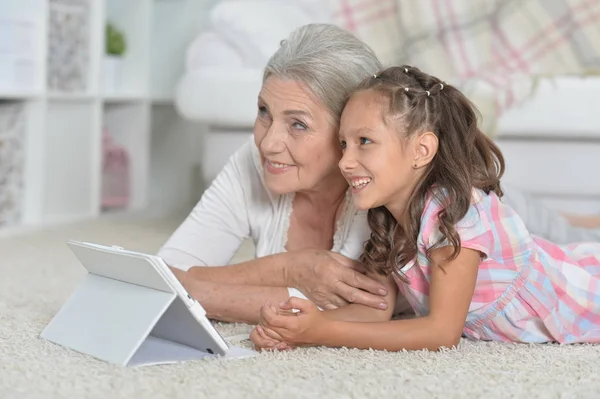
[(131, 324)]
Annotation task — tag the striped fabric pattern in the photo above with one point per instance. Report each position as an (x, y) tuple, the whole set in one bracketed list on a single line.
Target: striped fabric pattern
[(493, 50), (527, 290)]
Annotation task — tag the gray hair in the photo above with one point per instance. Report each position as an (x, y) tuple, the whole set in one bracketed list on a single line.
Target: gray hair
[(331, 61)]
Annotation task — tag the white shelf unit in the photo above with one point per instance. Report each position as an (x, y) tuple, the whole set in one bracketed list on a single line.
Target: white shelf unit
[(52, 73)]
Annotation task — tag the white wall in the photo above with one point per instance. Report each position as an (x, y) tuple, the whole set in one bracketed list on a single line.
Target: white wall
[(176, 145)]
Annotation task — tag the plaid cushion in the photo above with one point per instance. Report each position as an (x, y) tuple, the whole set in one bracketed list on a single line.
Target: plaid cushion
[(494, 50)]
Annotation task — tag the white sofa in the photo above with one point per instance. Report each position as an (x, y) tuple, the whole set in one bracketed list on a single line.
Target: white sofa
[(551, 142), (225, 101)]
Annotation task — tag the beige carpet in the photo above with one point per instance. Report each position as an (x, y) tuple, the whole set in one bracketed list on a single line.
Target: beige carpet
[(39, 272)]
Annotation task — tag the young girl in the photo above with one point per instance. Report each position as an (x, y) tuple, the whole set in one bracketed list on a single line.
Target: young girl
[(441, 235)]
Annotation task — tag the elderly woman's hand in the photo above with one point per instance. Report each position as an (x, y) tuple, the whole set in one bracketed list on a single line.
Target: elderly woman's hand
[(331, 280)]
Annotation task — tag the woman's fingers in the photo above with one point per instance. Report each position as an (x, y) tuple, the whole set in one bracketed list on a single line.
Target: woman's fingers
[(364, 283), (358, 288)]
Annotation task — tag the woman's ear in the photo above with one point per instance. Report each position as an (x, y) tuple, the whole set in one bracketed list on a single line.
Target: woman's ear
[(425, 149)]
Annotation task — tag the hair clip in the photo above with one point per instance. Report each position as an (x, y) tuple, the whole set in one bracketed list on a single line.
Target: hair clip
[(428, 93), (405, 70), (406, 89), (441, 86), (375, 76)]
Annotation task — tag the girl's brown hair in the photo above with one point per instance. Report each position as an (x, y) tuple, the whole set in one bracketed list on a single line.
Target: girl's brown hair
[(466, 159)]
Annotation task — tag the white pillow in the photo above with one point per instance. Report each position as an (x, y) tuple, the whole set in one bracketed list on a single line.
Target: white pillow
[(219, 96), (256, 27), (210, 49)]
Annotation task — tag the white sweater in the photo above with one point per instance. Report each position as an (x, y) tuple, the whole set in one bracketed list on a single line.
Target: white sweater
[(237, 205)]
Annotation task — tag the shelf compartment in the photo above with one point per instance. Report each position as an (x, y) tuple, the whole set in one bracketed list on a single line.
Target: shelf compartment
[(127, 123), (12, 161), (70, 164), (133, 18), (69, 36), (22, 52)]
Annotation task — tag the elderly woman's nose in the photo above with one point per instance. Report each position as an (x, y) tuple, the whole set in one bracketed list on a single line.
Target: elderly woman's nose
[(274, 139)]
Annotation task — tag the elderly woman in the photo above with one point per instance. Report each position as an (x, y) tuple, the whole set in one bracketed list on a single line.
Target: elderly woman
[(285, 191)]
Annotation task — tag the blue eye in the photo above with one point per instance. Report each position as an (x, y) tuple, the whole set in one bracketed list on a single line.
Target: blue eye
[(262, 111), (299, 126), (364, 140)]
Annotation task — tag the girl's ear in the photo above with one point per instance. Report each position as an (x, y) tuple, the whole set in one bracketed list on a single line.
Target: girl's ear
[(425, 149)]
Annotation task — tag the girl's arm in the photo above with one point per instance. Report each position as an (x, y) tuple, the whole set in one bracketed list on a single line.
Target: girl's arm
[(451, 292)]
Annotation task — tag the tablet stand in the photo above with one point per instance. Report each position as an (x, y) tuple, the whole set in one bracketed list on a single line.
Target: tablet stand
[(123, 323)]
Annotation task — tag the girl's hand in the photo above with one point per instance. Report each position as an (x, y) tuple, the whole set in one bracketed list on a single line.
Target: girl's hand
[(302, 328), (262, 342)]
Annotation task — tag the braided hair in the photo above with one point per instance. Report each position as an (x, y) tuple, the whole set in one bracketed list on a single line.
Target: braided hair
[(466, 159)]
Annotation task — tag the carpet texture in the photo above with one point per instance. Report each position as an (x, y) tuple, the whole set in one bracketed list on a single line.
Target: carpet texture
[(39, 273)]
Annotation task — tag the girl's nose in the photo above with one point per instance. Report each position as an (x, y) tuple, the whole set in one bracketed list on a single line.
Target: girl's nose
[(348, 161)]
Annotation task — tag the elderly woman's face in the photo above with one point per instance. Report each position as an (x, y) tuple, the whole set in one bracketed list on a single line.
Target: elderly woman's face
[(297, 138)]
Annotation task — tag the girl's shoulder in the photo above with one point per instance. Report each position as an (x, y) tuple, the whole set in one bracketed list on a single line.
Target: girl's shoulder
[(437, 200), (476, 227)]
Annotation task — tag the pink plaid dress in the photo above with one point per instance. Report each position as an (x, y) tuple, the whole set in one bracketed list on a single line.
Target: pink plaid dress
[(528, 289)]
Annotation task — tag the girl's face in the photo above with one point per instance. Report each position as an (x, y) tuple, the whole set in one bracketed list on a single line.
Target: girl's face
[(377, 160)]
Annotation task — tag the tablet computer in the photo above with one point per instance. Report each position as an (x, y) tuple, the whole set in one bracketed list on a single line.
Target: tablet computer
[(131, 309), (150, 271)]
